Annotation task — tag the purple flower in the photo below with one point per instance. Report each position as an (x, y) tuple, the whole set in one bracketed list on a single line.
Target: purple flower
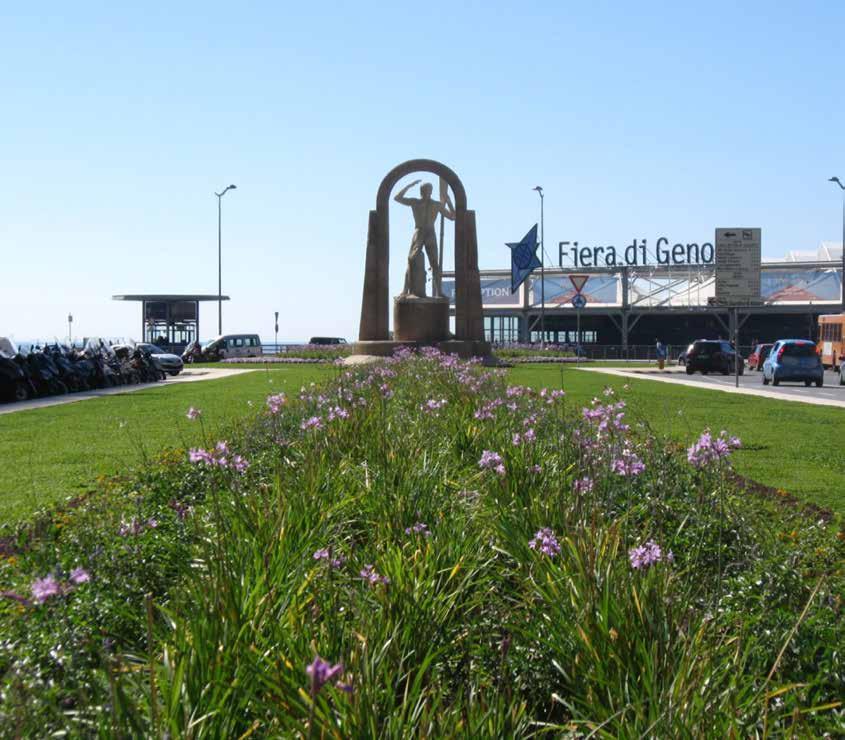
[(628, 464), (193, 413), (238, 464), (337, 412), (325, 553), (546, 542), (432, 406), (275, 402), (314, 422), (321, 672), (583, 485), (182, 510), (15, 597), (418, 528), (644, 556), (490, 460), (79, 576), (197, 455), (535, 469), (45, 588), (709, 450), (369, 573)]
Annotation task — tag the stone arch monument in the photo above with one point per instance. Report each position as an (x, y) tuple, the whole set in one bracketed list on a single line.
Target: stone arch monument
[(421, 319)]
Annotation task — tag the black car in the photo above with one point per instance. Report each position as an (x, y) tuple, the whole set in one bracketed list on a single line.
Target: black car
[(712, 355), (327, 340)]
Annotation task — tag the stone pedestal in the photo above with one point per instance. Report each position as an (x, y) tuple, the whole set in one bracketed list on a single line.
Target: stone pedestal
[(424, 320)]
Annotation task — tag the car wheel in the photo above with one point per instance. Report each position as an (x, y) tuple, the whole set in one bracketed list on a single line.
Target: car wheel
[(775, 381), (819, 382), (808, 383), (173, 373), (704, 372), (841, 378), (20, 392), (690, 371)]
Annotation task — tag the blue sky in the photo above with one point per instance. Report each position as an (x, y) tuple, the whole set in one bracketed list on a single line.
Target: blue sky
[(639, 120)]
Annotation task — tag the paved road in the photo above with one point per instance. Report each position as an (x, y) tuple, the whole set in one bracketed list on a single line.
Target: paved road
[(831, 388), (751, 383), (189, 375)]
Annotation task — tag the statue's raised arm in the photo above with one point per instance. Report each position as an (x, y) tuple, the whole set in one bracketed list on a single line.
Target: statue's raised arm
[(400, 196)]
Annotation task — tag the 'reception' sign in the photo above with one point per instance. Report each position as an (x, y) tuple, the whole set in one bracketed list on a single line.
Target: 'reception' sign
[(664, 252)]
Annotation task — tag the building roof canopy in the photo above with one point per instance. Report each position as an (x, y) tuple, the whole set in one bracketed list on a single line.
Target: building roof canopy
[(168, 297)]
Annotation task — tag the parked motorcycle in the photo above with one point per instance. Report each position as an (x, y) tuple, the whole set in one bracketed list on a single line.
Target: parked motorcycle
[(31, 371), (14, 382)]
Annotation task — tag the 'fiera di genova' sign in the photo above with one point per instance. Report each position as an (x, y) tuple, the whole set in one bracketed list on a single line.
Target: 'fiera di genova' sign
[(664, 252)]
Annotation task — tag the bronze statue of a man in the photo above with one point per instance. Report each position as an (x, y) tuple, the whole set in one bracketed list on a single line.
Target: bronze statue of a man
[(425, 212)]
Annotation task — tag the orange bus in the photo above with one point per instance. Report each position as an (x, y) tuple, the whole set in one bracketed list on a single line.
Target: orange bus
[(832, 339)]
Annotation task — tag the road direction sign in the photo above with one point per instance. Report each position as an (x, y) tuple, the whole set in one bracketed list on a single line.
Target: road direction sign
[(737, 267), (578, 282), (578, 300)]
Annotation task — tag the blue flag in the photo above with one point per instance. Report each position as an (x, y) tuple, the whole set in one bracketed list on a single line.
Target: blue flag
[(523, 258)]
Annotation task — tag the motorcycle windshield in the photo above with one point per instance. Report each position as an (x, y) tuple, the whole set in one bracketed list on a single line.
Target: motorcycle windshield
[(7, 348)]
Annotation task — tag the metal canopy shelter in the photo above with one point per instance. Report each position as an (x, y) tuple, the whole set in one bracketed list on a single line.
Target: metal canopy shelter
[(170, 320)]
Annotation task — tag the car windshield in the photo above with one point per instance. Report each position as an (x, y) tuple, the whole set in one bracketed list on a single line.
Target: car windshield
[(706, 346), (153, 348), (800, 350)]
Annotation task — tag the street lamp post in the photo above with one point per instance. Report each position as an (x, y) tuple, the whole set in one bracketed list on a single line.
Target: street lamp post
[(220, 256), (277, 331), (839, 183), (69, 328), (542, 273)]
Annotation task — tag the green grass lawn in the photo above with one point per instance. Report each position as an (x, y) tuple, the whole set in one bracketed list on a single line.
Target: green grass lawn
[(52, 453), (49, 454), (794, 446)]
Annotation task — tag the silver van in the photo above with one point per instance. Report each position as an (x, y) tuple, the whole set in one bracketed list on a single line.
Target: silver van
[(234, 345)]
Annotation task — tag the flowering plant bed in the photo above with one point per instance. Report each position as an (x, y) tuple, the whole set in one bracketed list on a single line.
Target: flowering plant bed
[(416, 548)]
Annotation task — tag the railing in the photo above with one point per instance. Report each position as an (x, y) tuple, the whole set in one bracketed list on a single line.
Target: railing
[(633, 352)]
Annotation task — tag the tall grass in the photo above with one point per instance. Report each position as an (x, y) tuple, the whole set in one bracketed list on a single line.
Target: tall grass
[(463, 555)]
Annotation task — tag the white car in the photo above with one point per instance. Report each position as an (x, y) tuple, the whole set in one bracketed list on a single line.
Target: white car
[(168, 363)]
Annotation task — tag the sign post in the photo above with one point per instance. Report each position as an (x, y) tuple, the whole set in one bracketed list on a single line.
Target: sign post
[(737, 276), (578, 301), (277, 331)]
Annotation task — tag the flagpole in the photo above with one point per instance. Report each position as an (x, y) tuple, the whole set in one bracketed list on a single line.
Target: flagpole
[(542, 273)]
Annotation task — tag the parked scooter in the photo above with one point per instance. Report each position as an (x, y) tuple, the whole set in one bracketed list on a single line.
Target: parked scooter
[(42, 372), (31, 371), (14, 382)]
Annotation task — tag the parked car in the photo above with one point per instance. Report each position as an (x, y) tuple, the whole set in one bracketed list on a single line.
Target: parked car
[(169, 363), (327, 340), (234, 345), (712, 355), (796, 360), (682, 358), (758, 356)]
